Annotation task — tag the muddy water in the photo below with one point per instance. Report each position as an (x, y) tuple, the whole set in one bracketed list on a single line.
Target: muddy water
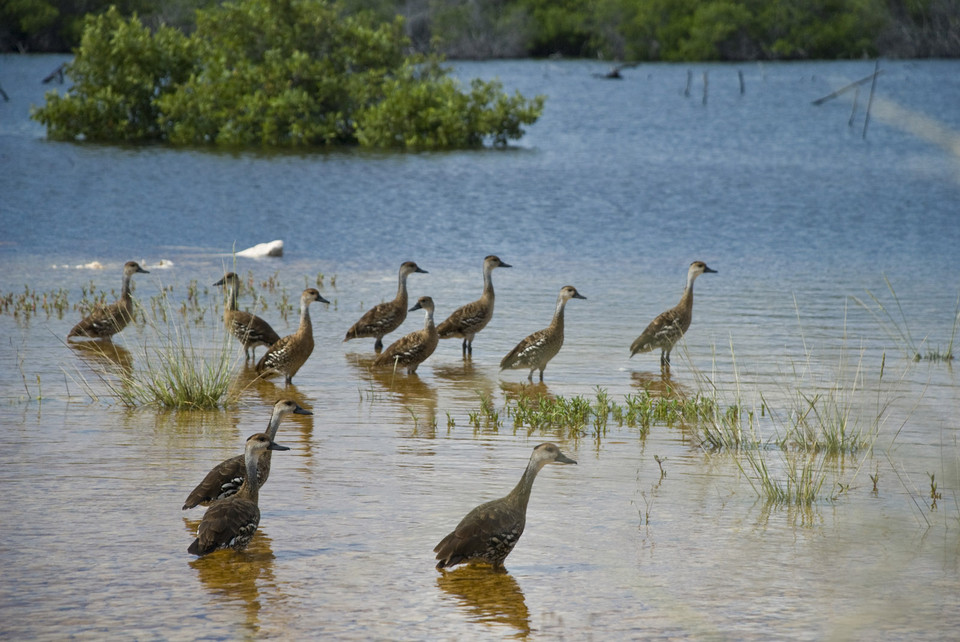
[(615, 191)]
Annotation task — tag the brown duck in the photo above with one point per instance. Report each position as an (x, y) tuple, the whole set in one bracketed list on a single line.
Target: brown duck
[(413, 349), (386, 317), (490, 531), (250, 330), (287, 355), (226, 478), (466, 321), (107, 321), (664, 331), (231, 523), (540, 347)]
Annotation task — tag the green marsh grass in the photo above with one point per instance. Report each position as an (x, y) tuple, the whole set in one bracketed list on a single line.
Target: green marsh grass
[(799, 432)]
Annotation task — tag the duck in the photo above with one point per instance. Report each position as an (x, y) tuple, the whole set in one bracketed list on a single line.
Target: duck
[(384, 318), (226, 478), (249, 329), (540, 347), (106, 321), (466, 321), (288, 354), (413, 349), (231, 523), (489, 532), (664, 331)]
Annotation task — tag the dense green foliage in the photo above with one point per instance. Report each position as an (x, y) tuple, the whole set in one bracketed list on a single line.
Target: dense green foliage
[(624, 29), (273, 72)]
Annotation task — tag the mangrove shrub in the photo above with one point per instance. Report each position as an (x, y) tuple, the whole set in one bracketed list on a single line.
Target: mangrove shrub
[(278, 73)]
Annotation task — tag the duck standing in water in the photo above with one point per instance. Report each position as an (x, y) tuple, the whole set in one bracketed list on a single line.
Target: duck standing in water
[(490, 531), (250, 330), (413, 349), (226, 478), (386, 317), (466, 321), (664, 331), (287, 355), (231, 523), (539, 348), (105, 322)]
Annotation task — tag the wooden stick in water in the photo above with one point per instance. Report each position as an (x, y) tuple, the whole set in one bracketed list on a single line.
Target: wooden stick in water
[(846, 88), (873, 86)]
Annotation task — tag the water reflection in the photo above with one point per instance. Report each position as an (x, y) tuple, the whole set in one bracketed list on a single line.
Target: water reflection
[(104, 354), (409, 390), (659, 384), (234, 578), (487, 597), (515, 390), (465, 379)]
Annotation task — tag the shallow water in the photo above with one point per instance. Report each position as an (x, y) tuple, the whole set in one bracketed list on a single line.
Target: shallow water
[(615, 190)]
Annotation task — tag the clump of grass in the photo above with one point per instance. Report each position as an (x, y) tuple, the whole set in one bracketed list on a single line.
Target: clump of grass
[(543, 412), (176, 374), (170, 370), (787, 454), (800, 481), (898, 329)]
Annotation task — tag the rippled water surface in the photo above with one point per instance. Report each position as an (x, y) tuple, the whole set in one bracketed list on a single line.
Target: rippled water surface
[(615, 190)]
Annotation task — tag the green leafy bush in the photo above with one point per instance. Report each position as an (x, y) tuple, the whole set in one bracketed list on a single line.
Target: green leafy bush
[(278, 73)]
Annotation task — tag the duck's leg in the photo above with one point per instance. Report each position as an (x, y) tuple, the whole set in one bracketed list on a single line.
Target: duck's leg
[(464, 347), (530, 376), (541, 374), (378, 346)]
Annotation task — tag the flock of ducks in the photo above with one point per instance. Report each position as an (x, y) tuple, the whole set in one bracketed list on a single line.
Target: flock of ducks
[(488, 533)]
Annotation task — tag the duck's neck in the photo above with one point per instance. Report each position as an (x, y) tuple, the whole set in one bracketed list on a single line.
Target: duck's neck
[(520, 494), (274, 424), (428, 321), (558, 314), (686, 300), (250, 489), (125, 291), (306, 327), (232, 301), (487, 284), (402, 290)]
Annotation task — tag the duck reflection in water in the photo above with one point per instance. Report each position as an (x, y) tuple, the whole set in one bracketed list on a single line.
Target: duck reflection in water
[(493, 598), (659, 385), (407, 390), (104, 353), (238, 577)]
